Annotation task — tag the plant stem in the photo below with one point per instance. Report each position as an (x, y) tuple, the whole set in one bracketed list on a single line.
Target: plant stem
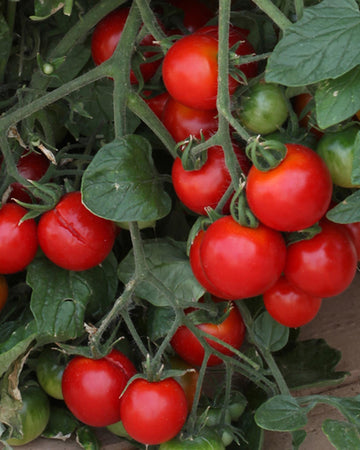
[(299, 8), (274, 13), (152, 23)]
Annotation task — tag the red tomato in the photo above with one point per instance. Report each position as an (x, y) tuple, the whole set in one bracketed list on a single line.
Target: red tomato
[(106, 36), (190, 67), (188, 381), (195, 13), (18, 242), (188, 347), (92, 388), (153, 412), (198, 189), (354, 230), (73, 237), (31, 166), (295, 194), (289, 305), (239, 261), (196, 266), (300, 102), (4, 291), (324, 265), (157, 103), (182, 121)]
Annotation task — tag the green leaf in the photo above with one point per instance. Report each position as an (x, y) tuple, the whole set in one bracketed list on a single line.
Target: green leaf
[(322, 44), (310, 363), (44, 9), (281, 413), (270, 334), (342, 435), (122, 184), (159, 321), (349, 408), (17, 343), (87, 438), (337, 100), (355, 173), (74, 61), (60, 297), (61, 423), (347, 211), (298, 437), (254, 435), (168, 264)]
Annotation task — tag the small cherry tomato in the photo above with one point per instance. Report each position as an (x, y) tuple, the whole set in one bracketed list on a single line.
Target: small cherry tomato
[(153, 412), (354, 230), (189, 348), (92, 388), (324, 265), (18, 241), (289, 305), (195, 13), (73, 237), (295, 194), (157, 103)]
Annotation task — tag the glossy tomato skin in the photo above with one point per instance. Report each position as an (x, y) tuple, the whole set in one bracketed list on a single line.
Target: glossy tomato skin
[(295, 194), (230, 331), (190, 69), (263, 109), (157, 103), (74, 238), (337, 150), (182, 121), (202, 188), (49, 371), (18, 242), (34, 414), (324, 265), (240, 261), (106, 36), (289, 305), (153, 412), (31, 166), (4, 291), (92, 389), (354, 231)]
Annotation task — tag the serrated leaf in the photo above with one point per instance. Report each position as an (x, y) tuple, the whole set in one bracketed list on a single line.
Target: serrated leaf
[(60, 297), (122, 184), (168, 263), (339, 99), (347, 211), (270, 334), (310, 363), (281, 413), (321, 45), (342, 435)]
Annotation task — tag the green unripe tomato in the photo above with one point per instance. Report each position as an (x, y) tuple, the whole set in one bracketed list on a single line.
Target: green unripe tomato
[(337, 150), (118, 429), (263, 109), (207, 440), (34, 415), (50, 367)]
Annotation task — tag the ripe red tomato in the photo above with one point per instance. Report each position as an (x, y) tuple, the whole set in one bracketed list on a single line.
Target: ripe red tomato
[(18, 242), (239, 261), (295, 194), (106, 36), (188, 381), (73, 237), (289, 305), (153, 412), (189, 348), (195, 13), (92, 388), (31, 166), (301, 105), (157, 103), (354, 230), (196, 266), (198, 189), (4, 291), (190, 67), (182, 121), (324, 265)]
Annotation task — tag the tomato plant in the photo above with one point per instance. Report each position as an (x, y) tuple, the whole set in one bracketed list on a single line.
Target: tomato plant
[(106, 36), (92, 387), (337, 150), (231, 331), (289, 305), (18, 240), (324, 265), (50, 366), (240, 261), (204, 187), (268, 192), (208, 439), (146, 405), (34, 415), (263, 109), (73, 237)]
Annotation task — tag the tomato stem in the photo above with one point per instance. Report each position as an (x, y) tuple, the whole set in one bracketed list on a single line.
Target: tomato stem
[(274, 13)]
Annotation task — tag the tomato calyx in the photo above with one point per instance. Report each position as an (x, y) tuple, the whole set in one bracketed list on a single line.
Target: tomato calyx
[(307, 233), (265, 155), (239, 208), (190, 159)]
